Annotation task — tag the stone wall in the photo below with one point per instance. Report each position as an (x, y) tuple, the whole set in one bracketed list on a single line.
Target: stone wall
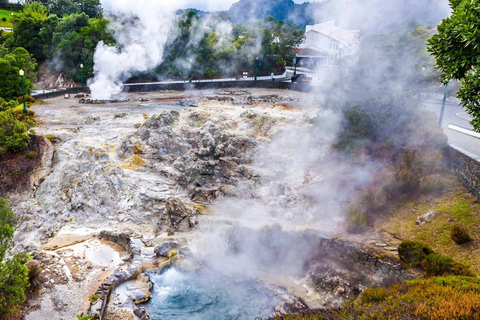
[(467, 168)]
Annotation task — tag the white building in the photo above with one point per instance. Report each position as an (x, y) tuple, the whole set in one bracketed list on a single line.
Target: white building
[(325, 43)]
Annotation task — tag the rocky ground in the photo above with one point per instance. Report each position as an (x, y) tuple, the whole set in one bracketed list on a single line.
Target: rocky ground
[(148, 169)]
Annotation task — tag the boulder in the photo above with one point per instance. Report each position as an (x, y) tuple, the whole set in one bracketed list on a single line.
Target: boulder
[(165, 249), (177, 212), (427, 217)]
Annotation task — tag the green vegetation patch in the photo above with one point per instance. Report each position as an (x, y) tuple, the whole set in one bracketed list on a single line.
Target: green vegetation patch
[(452, 206), (7, 14), (450, 297)]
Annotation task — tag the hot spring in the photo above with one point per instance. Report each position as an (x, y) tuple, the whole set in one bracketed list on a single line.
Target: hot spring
[(206, 294)]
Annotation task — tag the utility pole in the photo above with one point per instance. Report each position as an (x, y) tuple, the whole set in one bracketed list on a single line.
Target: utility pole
[(440, 120)]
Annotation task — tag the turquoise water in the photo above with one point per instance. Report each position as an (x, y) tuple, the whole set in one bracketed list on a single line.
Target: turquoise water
[(203, 294)]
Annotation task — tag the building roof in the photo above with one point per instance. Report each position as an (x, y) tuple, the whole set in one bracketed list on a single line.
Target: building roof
[(329, 29), (311, 52)]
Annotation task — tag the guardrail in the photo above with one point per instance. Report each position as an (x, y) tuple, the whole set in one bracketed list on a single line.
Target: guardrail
[(262, 82)]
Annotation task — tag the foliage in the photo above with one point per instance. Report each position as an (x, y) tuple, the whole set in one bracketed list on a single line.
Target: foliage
[(13, 273), (69, 37), (5, 105), (202, 49), (13, 132), (442, 298), (85, 317), (412, 253), (457, 53), (438, 265), (459, 234), (31, 155), (92, 8), (10, 65), (415, 254), (26, 29), (28, 99)]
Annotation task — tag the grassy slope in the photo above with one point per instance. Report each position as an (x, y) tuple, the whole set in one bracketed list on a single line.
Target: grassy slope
[(5, 14), (438, 298), (453, 205)]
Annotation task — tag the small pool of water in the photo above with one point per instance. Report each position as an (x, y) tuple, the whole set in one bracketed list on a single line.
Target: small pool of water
[(203, 294)]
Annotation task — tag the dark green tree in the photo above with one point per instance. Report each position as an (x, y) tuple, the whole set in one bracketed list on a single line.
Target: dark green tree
[(456, 49), (13, 272), (26, 29)]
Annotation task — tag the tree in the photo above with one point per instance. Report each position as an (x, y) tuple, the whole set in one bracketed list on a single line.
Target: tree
[(456, 49), (26, 28), (10, 64), (13, 134), (13, 272)]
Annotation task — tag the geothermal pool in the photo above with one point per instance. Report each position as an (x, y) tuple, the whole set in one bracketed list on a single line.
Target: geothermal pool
[(204, 294)]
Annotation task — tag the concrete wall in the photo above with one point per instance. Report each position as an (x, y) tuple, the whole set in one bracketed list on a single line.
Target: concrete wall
[(467, 168), (53, 94), (214, 85), (149, 87)]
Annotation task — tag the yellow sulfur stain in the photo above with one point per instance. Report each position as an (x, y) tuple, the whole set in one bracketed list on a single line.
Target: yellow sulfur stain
[(134, 163)]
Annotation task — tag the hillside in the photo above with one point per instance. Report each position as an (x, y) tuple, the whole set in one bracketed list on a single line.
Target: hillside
[(285, 10)]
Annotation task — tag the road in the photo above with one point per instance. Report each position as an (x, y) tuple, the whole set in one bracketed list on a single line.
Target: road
[(455, 117)]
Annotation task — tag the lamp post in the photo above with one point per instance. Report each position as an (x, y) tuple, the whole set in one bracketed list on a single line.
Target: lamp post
[(440, 120), (11, 19), (256, 66), (22, 73), (81, 67), (295, 66)]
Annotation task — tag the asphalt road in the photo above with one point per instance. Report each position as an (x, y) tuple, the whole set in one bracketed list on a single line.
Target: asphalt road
[(456, 116)]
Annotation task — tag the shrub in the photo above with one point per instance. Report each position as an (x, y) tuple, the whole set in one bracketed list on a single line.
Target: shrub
[(412, 253), (31, 155), (36, 278), (434, 182), (442, 298), (50, 138), (13, 273), (370, 295), (28, 99), (18, 111), (409, 171), (4, 19), (5, 105), (459, 234), (438, 265), (357, 220), (13, 133)]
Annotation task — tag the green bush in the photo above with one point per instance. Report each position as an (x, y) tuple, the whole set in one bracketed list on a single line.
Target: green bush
[(412, 253), (5, 105), (50, 138), (438, 265), (31, 155), (28, 99), (13, 133), (459, 234), (13, 272)]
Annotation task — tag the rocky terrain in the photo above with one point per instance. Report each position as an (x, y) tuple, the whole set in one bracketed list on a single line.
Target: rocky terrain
[(175, 168)]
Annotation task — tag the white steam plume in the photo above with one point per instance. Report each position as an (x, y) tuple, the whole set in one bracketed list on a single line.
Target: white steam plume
[(141, 29)]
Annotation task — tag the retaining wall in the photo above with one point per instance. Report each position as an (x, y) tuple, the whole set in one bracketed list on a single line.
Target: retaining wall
[(149, 87), (467, 168)]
